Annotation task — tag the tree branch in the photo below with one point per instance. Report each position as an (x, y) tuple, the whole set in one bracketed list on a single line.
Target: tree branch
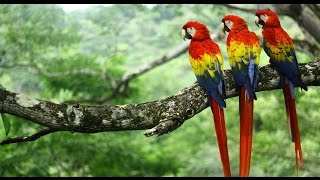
[(123, 84), (307, 47), (163, 116), (315, 8), (33, 137)]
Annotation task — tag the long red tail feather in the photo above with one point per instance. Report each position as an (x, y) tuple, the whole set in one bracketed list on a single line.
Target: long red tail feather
[(293, 125), (221, 134), (246, 126)]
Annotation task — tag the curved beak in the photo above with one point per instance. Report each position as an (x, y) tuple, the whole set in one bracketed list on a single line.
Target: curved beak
[(256, 21), (223, 28), (183, 34)]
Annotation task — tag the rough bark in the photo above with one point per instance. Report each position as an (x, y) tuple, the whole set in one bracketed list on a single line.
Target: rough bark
[(163, 116)]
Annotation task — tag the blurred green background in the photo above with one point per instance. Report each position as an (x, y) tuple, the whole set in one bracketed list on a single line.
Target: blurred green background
[(60, 56)]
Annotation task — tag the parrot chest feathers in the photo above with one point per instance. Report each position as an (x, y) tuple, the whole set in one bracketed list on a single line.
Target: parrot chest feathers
[(206, 65), (244, 57), (241, 54), (205, 58)]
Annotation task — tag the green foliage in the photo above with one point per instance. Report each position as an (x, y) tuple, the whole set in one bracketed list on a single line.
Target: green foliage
[(6, 123), (49, 54)]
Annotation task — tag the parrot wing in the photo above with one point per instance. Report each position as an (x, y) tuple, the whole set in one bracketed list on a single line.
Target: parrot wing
[(283, 56), (244, 59), (209, 72)]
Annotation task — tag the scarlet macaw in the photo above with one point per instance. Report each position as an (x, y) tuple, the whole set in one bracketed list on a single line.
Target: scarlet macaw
[(207, 64), (243, 49), (280, 48)]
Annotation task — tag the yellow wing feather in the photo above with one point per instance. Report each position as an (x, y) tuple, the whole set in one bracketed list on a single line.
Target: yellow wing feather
[(239, 53), (206, 62), (280, 52)]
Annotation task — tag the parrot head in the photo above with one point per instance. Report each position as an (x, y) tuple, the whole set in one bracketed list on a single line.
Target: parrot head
[(195, 30), (267, 18), (232, 22)]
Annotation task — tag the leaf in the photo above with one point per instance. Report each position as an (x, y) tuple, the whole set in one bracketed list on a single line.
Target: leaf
[(6, 123)]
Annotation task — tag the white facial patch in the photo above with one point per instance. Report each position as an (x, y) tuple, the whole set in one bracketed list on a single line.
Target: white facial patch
[(229, 24), (191, 31), (264, 17)]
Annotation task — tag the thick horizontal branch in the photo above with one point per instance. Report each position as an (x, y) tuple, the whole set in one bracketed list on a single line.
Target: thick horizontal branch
[(163, 115)]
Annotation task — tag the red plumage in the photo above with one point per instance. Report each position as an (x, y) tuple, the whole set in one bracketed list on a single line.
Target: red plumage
[(240, 29), (243, 49), (207, 64), (246, 125), (280, 48), (293, 124), (221, 134), (272, 31)]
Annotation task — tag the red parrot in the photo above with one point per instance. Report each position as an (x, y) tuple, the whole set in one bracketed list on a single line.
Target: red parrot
[(280, 48), (207, 64), (243, 49)]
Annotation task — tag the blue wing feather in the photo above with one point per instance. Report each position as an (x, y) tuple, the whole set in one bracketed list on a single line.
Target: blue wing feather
[(286, 68), (215, 86), (247, 76)]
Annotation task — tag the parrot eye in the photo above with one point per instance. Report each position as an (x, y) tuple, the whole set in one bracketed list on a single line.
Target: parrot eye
[(229, 24), (264, 17), (191, 31)]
